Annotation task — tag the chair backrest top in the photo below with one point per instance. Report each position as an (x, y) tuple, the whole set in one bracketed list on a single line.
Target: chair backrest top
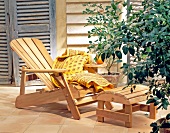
[(33, 52)]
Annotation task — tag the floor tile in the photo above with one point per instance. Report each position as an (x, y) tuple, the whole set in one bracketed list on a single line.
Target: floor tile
[(82, 121), (2, 118), (20, 119), (26, 112), (43, 129), (109, 129), (139, 130), (76, 129), (49, 119), (12, 128), (110, 122), (6, 111)]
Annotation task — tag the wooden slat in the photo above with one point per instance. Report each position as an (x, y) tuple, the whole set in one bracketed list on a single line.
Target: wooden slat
[(41, 29), (3, 77), (77, 18), (4, 63), (32, 6), (43, 50), (80, 8), (113, 115), (84, 100), (25, 57), (45, 70), (33, 22), (138, 99), (4, 59), (137, 94), (39, 98), (37, 52), (32, 3), (79, 40), (127, 91), (33, 14), (75, 29), (33, 10), (84, 1), (3, 56), (33, 18)]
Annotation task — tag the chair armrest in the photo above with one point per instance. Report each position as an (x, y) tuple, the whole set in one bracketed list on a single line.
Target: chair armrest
[(95, 65), (44, 70), (92, 68)]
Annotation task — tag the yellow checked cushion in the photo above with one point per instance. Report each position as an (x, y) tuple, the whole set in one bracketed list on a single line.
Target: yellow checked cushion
[(73, 64), (91, 79)]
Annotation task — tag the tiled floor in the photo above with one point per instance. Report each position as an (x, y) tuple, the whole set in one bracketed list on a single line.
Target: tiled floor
[(55, 118)]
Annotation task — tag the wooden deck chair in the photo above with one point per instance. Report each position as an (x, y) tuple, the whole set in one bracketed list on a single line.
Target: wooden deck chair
[(33, 52)]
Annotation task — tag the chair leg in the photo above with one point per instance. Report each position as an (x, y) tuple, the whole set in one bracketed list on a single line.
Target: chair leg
[(100, 106), (152, 111), (23, 80), (71, 104), (73, 108), (128, 110)]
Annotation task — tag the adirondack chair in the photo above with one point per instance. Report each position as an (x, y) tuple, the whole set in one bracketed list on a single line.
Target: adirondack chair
[(33, 52)]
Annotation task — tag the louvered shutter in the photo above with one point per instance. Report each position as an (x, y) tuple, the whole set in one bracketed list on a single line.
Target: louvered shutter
[(5, 53), (33, 18)]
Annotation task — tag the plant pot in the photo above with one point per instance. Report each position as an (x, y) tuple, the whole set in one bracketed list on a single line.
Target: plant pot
[(113, 78), (162, 130)]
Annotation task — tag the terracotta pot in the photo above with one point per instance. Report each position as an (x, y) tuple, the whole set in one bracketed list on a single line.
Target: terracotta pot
[(114, 79), (162, 130)]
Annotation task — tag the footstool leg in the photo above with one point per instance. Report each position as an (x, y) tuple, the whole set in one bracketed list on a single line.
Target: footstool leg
[(108, 105), (128, 110), (100, 106), (152, 111)]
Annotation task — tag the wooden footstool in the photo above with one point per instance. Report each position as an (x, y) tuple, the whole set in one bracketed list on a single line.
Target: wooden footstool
[(130, 102)]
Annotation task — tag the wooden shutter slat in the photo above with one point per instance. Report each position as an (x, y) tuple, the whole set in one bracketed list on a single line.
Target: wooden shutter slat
[(34, 14), (33, 10), (33, 22), (33, 18), (32, 2), (4, 63), (33, 7)]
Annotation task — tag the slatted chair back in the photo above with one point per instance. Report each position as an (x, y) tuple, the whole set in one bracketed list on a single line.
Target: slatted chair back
[(33, 52)]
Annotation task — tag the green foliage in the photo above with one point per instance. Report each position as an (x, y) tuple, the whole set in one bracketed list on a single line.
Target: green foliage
[(147, 38), (107, 29)]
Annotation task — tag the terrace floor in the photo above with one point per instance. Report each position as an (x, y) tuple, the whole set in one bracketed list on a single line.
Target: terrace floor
[(55, 118)]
